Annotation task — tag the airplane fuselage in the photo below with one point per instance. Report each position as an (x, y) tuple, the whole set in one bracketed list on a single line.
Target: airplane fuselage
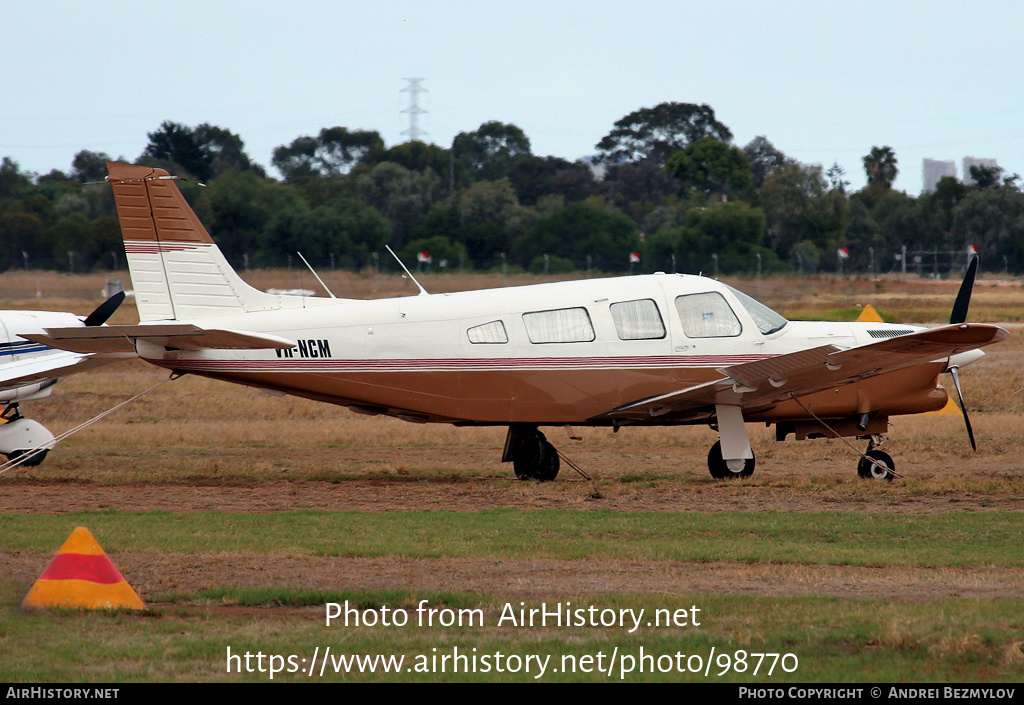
[(546, 354)]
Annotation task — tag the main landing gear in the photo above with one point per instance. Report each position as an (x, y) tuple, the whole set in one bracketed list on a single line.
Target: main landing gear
[(531, 455), (876, 464), (722, 469), (731, 457)]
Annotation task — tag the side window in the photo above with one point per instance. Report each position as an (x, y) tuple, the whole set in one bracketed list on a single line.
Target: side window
[(488, 333), (637, 320), (707, 316), (563, 325)]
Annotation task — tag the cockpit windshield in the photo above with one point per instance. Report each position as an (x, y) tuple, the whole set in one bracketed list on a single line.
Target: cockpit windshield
[(767, 320)]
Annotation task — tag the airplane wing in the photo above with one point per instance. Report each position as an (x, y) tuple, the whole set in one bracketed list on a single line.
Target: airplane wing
[(759, 384), (52, 366), (182, 336)]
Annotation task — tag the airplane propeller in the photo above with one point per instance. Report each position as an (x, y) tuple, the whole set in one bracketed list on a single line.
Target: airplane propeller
[(105, 310), (959, 315), (963, 297), (963, 407)]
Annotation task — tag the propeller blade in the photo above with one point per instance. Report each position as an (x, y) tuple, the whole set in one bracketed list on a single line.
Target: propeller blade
[(105, 310), (963, 407), (963, 297)]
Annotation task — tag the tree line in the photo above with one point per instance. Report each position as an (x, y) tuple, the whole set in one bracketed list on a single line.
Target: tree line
[(667, 189)]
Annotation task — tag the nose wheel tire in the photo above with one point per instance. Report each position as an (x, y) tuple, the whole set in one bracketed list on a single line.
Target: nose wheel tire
[(881, 469), (722, 469), (35, 460)]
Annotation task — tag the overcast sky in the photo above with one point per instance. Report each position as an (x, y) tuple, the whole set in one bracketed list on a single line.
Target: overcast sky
[(823, 81)]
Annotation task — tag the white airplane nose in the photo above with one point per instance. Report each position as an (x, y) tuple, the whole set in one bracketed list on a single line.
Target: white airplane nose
[(964, 358)]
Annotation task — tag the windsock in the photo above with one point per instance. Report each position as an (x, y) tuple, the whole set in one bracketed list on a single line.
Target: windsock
[(82, 575)]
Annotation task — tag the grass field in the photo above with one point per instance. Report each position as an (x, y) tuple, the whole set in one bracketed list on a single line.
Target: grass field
[(237, 516)]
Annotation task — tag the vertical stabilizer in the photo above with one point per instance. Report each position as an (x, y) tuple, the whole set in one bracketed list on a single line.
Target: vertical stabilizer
[(177, 271)]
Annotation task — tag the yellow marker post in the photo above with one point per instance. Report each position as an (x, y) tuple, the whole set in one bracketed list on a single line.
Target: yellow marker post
[(869, 315)]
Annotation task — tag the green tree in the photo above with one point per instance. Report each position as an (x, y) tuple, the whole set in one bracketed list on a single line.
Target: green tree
[(942, 203), (799, 207), (177, 144), (477, 217), (711, 167), (837, 178), (347, 229), (536, 177), (89, 166), (993, 220), (880, 165), (242, 205), (883, 222), (763, 157), (331, 154), (655, 133), (638, 188), (403, 196), (416, 156), (202, 152), (22, 232), (224, 150), (591, 228), (487, 153), (12, 179), (985, 176), (71, 243), (731, 231)]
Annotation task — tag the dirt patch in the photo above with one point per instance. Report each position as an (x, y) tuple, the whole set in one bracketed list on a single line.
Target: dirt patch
[(58, 497)]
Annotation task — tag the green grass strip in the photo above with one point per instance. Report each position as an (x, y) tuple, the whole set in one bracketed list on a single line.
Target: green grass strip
[(832, 641), (975, 539)]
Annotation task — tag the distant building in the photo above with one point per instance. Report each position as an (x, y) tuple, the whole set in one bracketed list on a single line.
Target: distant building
[(935, 170), (976, 161)]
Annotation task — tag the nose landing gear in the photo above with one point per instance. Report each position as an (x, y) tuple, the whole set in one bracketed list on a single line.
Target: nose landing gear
[(876, 464), (19, 436)]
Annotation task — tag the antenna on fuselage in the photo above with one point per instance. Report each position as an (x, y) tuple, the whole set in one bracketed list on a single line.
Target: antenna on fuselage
[(329, 292), (423, 292)]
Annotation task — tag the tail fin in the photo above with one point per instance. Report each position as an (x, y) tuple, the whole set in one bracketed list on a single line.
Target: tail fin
[(177, 270)]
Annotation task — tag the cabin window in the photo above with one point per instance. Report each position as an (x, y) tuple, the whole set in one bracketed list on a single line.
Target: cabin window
[(563, 325), (707, 315), (767, 320), (488, 333), (637, 320)]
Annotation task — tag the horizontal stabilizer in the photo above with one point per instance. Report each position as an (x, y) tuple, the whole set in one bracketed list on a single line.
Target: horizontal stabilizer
[(180, 336), (763, 382)]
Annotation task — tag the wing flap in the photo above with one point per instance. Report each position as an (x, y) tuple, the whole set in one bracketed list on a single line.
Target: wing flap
[(181, 336)]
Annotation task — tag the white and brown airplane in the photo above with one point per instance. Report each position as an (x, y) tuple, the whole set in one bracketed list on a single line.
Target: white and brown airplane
[(641, 350)]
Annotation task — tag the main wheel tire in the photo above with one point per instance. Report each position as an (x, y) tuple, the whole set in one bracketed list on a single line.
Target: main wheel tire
[(871, 471), (536, 459), (720, 469), (36, 459)]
